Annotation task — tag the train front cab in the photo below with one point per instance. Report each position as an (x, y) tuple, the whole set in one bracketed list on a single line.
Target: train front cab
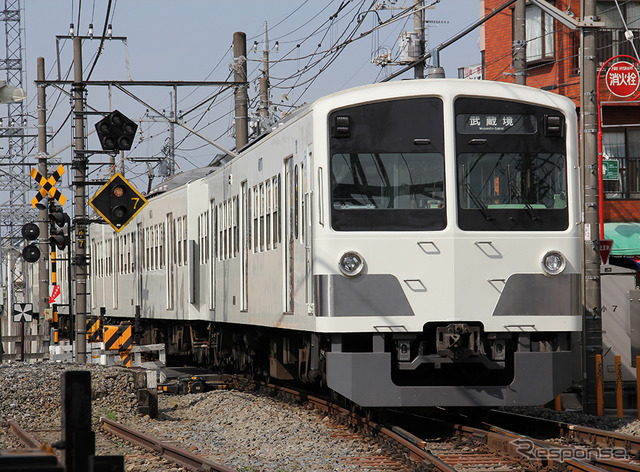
[(454, 222)]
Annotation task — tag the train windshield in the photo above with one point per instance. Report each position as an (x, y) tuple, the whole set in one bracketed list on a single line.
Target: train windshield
[(387, 180), (387, 166), (382, 183), (511, 166)]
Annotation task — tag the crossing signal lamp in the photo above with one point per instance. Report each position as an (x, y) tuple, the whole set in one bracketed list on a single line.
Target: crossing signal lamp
[(58, 220), (31, 252), (116, 132)]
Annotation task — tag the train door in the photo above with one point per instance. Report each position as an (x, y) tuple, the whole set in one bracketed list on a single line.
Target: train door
[(170, 258), (211, 221), (244, 245), (290, 232), (114, 247), (307, 223), (139, 253)]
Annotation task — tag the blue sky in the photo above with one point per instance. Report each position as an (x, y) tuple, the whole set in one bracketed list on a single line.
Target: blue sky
[(191, 40)]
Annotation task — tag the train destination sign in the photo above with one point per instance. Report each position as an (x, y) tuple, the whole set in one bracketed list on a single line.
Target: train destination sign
[(622, 79), (495, 123)]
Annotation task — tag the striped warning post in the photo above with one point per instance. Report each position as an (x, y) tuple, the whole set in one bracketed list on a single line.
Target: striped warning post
[(54, 270), (127, 358), (118, 337), (94, 333)]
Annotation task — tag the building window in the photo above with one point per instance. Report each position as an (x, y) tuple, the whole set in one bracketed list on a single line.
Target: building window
[(610, 40), (540, 35), (623, 145)]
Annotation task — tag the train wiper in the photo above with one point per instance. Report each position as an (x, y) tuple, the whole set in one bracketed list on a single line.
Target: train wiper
[(530, 210), (478, 201)]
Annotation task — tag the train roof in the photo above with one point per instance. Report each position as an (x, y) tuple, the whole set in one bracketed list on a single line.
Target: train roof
[(178, 180), (443, 87)]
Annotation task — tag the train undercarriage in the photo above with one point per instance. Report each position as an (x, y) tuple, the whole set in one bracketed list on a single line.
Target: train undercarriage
[(445, 361)]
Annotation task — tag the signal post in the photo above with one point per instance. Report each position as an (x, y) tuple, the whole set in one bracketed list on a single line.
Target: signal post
[(80, 166)]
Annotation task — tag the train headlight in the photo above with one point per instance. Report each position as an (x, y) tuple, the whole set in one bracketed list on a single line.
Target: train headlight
[(553, 263), (351, 264)]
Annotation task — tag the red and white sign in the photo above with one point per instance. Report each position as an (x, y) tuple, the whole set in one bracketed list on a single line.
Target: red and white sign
[(55, 292), (605, 249), (622, 79)]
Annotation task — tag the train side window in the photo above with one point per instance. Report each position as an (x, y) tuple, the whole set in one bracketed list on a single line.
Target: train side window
[(220, 227), (267, 230), (247, 223), (302, 205), (256, 211), (184, 240), (236, 216), (161, 245), (177, 238), (225, 230), (276, 198), (262, 211), (230, 227), (206, 235), (296, 201), (152, 244)]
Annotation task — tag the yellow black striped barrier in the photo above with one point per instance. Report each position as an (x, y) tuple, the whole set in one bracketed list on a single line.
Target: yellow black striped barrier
[(118, 337), (94, 331), (127, 358)]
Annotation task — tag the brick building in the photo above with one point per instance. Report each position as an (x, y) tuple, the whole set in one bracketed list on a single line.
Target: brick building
[(553, 63)]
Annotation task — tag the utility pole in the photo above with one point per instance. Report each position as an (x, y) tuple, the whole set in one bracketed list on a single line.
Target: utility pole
[(264, 83), (240, 93), (520, 43), (418, 26), (592, 321), (43, 270), (80, 165)]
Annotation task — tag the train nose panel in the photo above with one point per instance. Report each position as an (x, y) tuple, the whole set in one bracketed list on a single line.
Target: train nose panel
[(538, 294), (365, 295)]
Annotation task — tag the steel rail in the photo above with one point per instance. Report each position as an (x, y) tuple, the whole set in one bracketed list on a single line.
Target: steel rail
[(603, 438), (598, 437), (616, 465), (25, 437), (166, 450)]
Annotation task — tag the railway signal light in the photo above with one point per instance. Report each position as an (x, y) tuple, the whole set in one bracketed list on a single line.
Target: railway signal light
[(116, 132), (118, 202), (58, 219), (31, 252)]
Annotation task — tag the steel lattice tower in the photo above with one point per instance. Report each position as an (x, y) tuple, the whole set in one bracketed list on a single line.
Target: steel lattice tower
[(15, 180)]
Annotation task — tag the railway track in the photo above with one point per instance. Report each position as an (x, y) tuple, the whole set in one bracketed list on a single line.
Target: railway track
[(460, 447)]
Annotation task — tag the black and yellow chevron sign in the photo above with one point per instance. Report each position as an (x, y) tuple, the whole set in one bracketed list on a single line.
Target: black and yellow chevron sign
[(48, 186)]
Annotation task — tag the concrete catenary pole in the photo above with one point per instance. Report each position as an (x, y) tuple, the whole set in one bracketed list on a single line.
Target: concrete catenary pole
[(264, 83), (520, 43), (418, 27), (592, 321), (43, 270), (80, 165), (240, 93)]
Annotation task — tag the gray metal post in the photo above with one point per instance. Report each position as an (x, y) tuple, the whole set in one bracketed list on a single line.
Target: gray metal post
[(592, 321), (43, 270), (240, 94), (264, 83), (519, 43), (418, 27), (80, 165)]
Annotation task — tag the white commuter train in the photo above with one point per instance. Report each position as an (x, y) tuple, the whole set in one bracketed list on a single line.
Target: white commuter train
[(406, 244)]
